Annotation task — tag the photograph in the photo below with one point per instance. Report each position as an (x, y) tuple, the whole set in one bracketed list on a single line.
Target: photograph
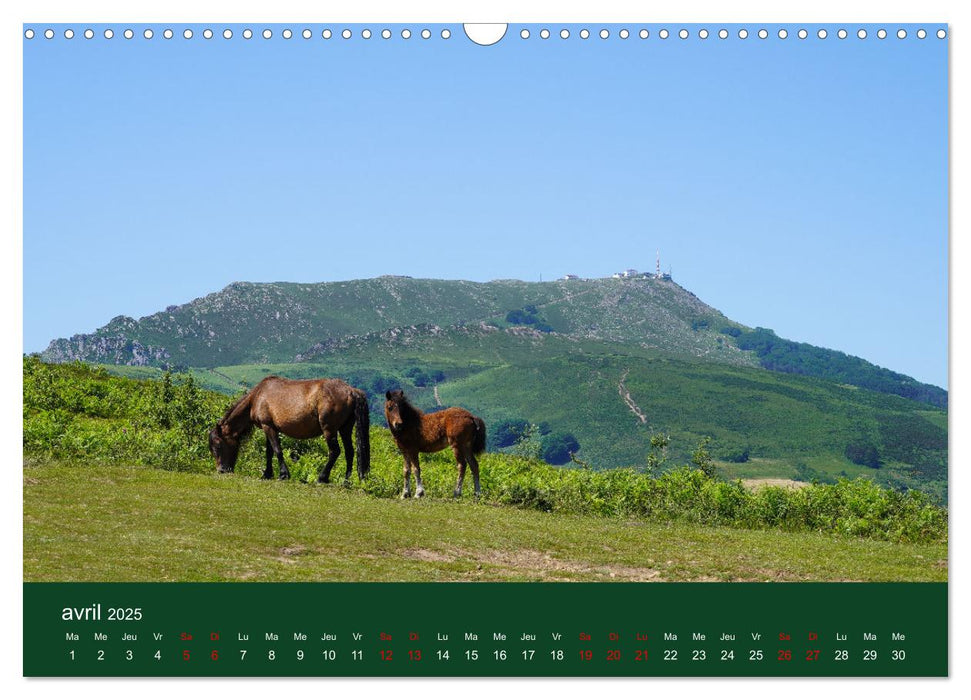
[(523, 304)]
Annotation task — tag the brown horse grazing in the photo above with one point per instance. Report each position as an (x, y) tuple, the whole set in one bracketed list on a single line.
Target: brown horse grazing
[(416, 432), (300, 409)]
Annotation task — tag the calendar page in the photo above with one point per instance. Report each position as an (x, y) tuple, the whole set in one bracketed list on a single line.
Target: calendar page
[(515, 350)]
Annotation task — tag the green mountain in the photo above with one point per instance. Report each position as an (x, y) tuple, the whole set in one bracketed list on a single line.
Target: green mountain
[(277, 322), (607, 363)]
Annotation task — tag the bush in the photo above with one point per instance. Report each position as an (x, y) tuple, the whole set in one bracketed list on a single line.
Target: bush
[(528, 316), (702, 459), (418, 376), (519, 317), (505, 433), (75, 411), (44, 430), (528, 445), (856, 508), (864, 454), (738, 456), (382, 384), (556, 448)]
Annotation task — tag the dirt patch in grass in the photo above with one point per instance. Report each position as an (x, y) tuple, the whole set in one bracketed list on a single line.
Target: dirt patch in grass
[(427, 555), (763, 574), (533, 564), (287, 554)]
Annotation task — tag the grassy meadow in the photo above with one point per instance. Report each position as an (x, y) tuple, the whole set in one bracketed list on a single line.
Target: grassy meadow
[(134, 523), (119, 485)]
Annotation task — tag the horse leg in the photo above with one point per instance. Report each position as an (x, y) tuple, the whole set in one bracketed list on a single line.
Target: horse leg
[(474, 463), (273, 439), (406, 493), (268, 472), (419, 488), (460, 460), (348, 450), (333, 452)]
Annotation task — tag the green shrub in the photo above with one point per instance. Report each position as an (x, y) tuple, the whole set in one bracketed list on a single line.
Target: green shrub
[(504, 433), (556, 448)]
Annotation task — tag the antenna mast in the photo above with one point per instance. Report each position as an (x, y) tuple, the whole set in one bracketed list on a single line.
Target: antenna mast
[(658, 273)]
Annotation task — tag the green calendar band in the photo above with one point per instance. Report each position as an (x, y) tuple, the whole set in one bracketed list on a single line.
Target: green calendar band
[(485, 629)]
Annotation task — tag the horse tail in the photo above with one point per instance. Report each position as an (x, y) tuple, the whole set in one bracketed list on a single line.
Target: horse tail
[(362, 417), (479, 443)]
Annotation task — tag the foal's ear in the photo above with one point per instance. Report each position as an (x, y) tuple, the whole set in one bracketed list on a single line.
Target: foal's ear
[(387, 395)]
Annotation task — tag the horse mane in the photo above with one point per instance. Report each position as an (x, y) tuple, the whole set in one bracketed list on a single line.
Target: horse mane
[(408, 411), (236, 406), (239, 406)]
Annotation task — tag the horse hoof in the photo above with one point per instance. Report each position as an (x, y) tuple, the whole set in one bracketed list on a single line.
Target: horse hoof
[(419, 494), (322, 480), (266, 476), (405, 495), (284, 477), (456, 494), (346, 483)]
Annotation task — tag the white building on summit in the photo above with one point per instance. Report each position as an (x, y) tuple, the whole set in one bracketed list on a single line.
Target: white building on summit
[(631, 272)]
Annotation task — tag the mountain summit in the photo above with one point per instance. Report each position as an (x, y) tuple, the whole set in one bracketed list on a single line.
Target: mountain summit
[(276, 322)]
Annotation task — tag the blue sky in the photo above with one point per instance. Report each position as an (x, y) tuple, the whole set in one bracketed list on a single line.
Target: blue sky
[(795, 184)]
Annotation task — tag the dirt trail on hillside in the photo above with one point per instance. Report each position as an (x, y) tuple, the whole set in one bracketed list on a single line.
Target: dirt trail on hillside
[(625, 395), (228, 378), (438, 401)]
